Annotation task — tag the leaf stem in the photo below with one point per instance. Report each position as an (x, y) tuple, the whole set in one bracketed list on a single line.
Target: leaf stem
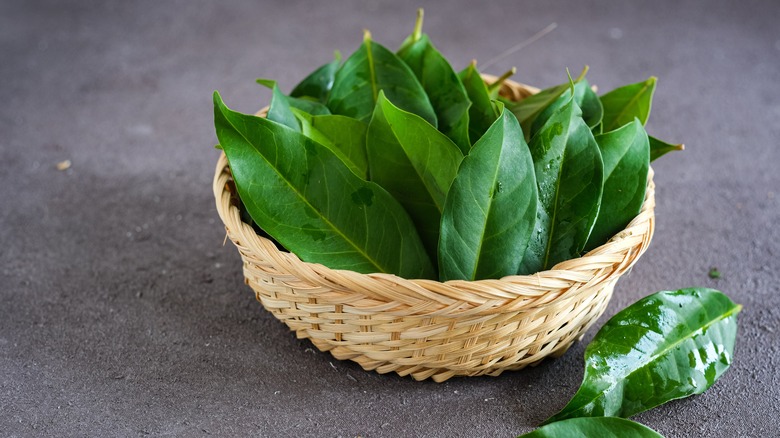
[(418, 25), (497, 83)]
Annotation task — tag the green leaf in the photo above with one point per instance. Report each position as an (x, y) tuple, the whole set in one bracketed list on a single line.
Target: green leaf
[(586, 98), (623, 104), (666, 346), (371, 69), (318, 84), (307, 199), (280, 109), (280, 100), (659, 148), (482, 112), (490, 210), (626, 155), (443, 86), (415, 163), (345, 137), (569, 177), (529, 109), (592, 428)]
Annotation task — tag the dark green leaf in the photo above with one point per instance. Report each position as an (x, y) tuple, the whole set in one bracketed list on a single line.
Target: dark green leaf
[(585, 97), (528, 109), (623, 104), (415, 163), (595, 427), (659, 148), (370, 69), (626, 156), (490, 210), (308, 199), (482, 112), (443, 86), (318, 84), (665, 346), (345, 137), (280, 110), (569, 177)]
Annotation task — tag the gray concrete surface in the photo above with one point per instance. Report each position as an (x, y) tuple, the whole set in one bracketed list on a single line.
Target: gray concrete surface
[(121, 313)]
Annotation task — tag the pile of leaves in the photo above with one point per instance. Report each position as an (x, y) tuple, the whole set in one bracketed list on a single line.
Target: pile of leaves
[(393, 162)]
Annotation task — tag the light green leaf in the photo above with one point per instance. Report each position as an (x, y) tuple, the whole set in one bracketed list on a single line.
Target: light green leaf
[(490, 209), (666, 346), (344, 136), (415, 163), (623, 104), (304, 196), (371, 69), (569, 177), (626, 155), (280, 109)]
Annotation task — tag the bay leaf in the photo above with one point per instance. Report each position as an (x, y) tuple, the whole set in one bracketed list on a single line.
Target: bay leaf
[(415, 163), (529, 109), (490, 209), (659, 148), (592, 427), (626, 156), (442, 85), (482, 112), (569, 176), (586, 98), (370, 69), (344, 136), (304, 196), (317, 85), (279, 110), (625, 103), (666, 346)]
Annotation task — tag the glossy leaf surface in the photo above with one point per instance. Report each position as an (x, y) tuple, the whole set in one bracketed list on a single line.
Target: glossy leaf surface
[(569, 177), (666, 346), (367, 71), (482, 112), (659, 148), (304, 196), (623, 104), (626, 156), (345, 137), (443, 87), (415, 163), (594, 427), (490, 210), (529, 109), (318, 84)]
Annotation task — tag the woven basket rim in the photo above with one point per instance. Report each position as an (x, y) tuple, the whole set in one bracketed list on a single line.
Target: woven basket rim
[(455, 297)]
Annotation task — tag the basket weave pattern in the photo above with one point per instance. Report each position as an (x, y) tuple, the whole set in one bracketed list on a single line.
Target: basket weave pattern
[(429, 329)]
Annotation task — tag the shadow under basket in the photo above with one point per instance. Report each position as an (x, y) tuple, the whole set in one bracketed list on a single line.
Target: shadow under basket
[(426, 328)]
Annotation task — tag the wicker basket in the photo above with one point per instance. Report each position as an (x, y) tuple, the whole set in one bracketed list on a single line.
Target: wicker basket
[(429, 329)]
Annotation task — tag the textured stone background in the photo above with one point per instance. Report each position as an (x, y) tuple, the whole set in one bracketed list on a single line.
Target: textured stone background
[(122, 314)]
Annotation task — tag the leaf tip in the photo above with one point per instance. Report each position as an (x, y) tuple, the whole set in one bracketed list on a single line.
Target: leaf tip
[(366, 36), (269, 83)]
